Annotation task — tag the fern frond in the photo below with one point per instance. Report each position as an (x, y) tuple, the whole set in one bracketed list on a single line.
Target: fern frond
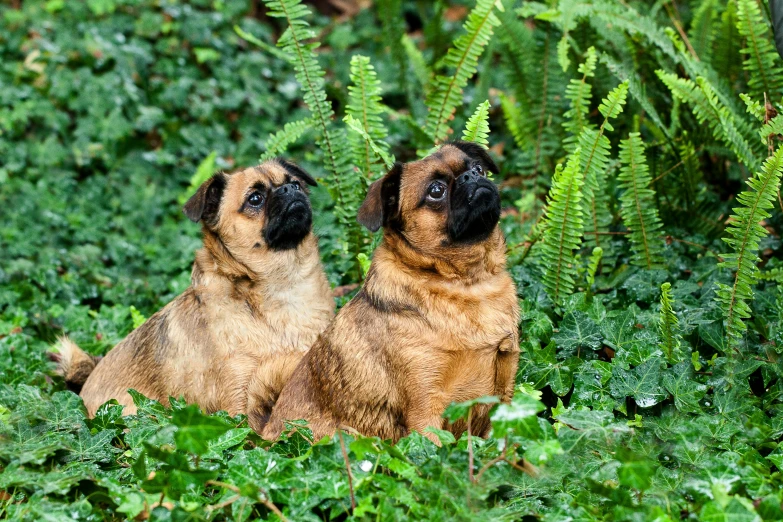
[(446, 93), (753, 107), (637, 204), (419, 65), (776, 274), (278, 142), (579, 93), (515, 120), (563, 229), (669, 325), (595, 148), (702, 31), (310, 75), (745, 232), (477, 127), (592, 265), (762, 62), (709, 111), (369, 150), (368, 146), (772, 128)]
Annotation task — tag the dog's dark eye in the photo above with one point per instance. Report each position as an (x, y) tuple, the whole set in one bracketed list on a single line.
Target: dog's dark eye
[(479, 170), (436, 191), (256, 199)]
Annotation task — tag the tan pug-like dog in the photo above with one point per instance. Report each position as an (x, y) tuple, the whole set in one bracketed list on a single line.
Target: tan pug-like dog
[(257, 302), (436, 320)]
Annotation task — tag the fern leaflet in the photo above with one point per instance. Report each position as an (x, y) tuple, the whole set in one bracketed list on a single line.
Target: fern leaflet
[(762, 62), (477, 127), (745, 232), (594, 162), (446, 92), (563, 229), (637, 204), (579, 93), (669, 325), (278, 142), (369, 150)]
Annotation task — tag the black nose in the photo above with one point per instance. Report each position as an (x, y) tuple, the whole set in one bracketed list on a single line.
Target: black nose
[(287, 189), (469, 176)]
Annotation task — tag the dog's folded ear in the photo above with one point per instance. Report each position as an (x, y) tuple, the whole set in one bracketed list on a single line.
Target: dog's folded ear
[(476, 151), (381, 205), (298, 172), (205, 203)]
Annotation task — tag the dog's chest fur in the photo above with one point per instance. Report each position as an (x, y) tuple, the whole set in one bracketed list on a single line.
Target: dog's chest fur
[(226, 334), (470, 326)]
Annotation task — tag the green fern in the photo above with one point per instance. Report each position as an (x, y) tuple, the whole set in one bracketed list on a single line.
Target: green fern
[(592, 265), (278, 142), (709, 111), (762, 62), (477, 127), (563, 229), (702, 30), (514, 118), (669, 325), (579, 93), (369, 150), (745, 232), (311, 77), (638, 204), (776, 275), (418, 64), (446, 93), (595, 148)]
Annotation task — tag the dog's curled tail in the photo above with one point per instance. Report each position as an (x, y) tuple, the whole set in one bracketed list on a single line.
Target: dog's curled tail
[(73, 363)]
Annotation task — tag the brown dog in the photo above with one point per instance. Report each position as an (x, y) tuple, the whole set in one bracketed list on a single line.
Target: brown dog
[(257, 302), (436, 320)]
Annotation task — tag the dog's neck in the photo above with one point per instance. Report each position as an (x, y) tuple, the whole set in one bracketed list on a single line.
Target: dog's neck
[(218, 269), (466, 264)]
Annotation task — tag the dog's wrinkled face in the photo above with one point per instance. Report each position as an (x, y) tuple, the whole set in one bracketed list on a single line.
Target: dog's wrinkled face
[(259, 208), (441, 201)]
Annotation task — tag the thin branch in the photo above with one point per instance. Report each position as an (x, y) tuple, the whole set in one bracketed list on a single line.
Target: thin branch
[(470, 448), (674, 17), (348, 468)]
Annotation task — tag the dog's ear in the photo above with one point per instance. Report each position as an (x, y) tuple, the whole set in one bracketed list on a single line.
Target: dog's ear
[(382, 203), (298, 172), (476, 151), (205, 203)]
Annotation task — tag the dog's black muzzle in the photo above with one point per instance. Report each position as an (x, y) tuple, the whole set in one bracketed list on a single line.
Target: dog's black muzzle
[(289, 217), (475, 208)]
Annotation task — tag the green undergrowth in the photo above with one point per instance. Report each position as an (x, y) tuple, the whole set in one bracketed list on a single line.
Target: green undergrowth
[(640, 157)]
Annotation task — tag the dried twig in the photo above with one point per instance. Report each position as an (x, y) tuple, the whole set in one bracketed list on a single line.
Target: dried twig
[(470, 447), (348, 468)]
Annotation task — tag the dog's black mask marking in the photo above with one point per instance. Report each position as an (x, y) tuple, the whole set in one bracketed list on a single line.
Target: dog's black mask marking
[(475, 208), (289, 217)]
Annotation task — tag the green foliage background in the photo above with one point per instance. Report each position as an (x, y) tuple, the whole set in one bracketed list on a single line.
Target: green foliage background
[(632, 137)]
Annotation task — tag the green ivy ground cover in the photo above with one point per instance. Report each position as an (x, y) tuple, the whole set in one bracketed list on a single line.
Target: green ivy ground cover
[(650, 380)]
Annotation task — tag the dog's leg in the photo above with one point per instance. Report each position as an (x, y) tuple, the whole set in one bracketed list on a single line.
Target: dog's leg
[(265, 385)]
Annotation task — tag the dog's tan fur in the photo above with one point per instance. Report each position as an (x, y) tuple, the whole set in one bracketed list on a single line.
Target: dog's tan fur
[(233, 338), (434, 323)]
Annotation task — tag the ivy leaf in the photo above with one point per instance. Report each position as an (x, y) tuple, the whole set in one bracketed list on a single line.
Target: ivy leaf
[(635, 471), (514, 417), (93, 448), (591, 386), (460, 410), (714, 335), (643, 383), (687, 392), (734, 511), (195, 430), (577, 331)]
